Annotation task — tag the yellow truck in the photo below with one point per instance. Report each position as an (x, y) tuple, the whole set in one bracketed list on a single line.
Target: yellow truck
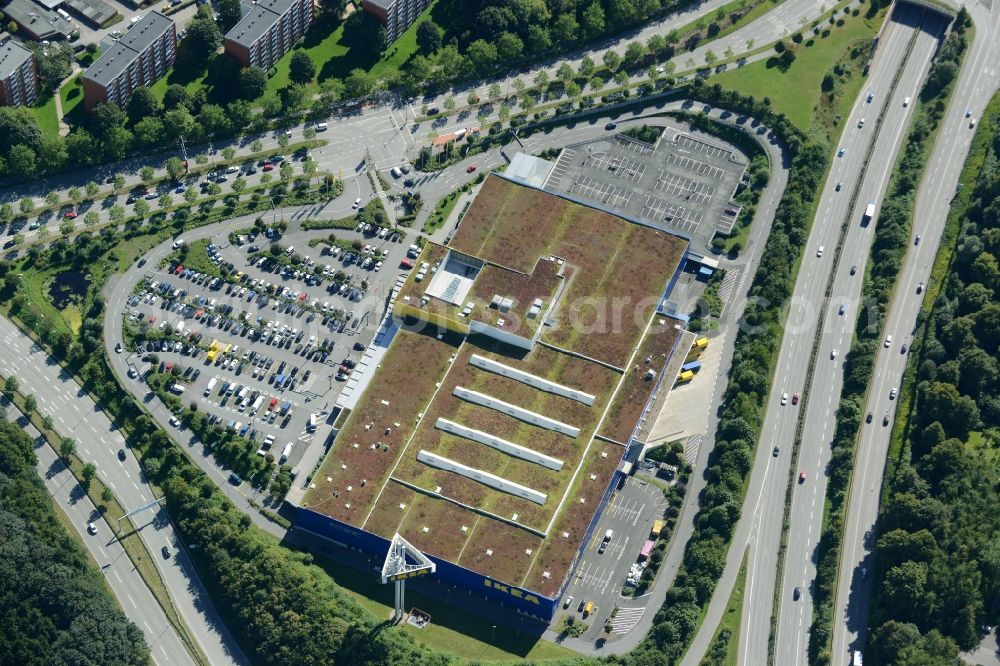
[(657, 528)]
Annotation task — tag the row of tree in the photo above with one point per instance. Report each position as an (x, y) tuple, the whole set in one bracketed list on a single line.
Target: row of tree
[(54, 605)]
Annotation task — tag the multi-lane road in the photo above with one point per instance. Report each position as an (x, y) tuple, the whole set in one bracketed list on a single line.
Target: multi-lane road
[(906, 47), (759, 529), (98, 439), (977, 83), (166, 647)]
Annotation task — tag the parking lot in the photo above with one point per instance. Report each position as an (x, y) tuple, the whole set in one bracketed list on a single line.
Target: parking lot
[(263, 341), (603, 568), (684, 184)]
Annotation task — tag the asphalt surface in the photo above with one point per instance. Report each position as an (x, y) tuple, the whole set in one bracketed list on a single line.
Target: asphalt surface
[(125, 582), (75, 415), (759, 528), (977, 83), (795, 616)]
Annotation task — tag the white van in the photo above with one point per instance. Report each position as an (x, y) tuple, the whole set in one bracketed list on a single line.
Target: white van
[(888, 340), (396, 173), (906, 101), (320, 127)]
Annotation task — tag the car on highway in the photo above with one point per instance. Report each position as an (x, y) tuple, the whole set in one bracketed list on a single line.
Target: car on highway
[(121, 454), (839, 186), (861, 123), (610, 126), (842, 309), (916, 241), (357, 203), (118, 348), (165, 552), (888, 341), (833, 353), (840, 153), (968, 113), (795, 398), (784, 398), (972, 124), (920, 287), (871, 96), (892, 393), (868, 419), (92, 528), (802, 477), (796, 593), (774, 452), (471, 168), (885, 419), (904, 348), (854, 269), (819, 251)]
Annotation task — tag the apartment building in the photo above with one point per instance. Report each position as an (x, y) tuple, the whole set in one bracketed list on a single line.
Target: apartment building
[(18, 76), (268, 30), (144, 54), (395, 15)]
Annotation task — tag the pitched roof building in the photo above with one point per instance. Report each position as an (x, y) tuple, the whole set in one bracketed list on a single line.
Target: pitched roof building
[(268, 30), (18, 75)]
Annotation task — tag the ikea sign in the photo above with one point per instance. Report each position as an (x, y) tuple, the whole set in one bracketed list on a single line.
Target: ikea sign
[(408, 574), (512, 591)]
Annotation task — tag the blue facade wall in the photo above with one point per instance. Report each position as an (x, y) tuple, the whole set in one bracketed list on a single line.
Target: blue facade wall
[(518, 598)]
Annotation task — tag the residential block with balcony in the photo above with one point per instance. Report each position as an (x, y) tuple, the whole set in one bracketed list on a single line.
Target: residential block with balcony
[(267, 31)]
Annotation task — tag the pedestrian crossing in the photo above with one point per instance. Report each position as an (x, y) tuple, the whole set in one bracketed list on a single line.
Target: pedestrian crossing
[(625, 619)]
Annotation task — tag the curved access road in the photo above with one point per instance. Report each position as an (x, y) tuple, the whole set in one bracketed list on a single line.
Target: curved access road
[(977, 83)]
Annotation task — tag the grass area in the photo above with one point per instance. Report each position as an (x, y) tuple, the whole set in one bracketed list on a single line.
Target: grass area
[(441, 212), (36, 289), (45, 116), (159, 88), (724, 646), (451, 629), (126, 533), (197, 258), (72, 100), (796, 91)]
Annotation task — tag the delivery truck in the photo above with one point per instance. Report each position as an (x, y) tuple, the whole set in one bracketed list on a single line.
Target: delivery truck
[(869, 214), (211, 385)]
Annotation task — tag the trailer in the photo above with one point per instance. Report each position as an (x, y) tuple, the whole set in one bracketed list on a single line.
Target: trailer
[(693, 366), (869, 213), (685, 376)]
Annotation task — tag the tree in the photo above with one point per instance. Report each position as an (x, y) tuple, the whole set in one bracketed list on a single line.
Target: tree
[(564, 73), (228, 153), (92, 189), (176, 97), (482, 55), (428, 37), (107, 495), (611, 60), (283, 141), (30, 404), (149, 131), (146, 174), (141, 104), (229, 13), (52, 198), (165, 200), (66, 227), (22, 161), (88, 472), (140, 208), (6, 213), (18, 127), (449, 103), (203, 36), (53, 63), (10, 385), (309, 133), (573, 90), (518, 86), (256, 145), (541, 79), (47, 423), (286, 172), (91, 218), (494, 92), (359, 83), (711, 58), (593, 20), (301, 67), (190, 195), (119, 181), (175, 168), (67, 448), (26, 205), (309, 167), (239, 185), (117, 213), (634, 52)]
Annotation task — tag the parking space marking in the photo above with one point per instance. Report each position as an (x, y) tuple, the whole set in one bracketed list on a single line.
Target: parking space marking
[(606, 193), (634, 146), (688, 141), (696, 166), (676, 217), (618, 166), (685, 188)]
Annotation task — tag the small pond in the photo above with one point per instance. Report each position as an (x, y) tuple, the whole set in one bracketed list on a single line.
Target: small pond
[(68, 288)]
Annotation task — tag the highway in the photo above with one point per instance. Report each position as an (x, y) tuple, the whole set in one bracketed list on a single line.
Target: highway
[(75, 415), (759, 528), (977, 83), (138, 603), (823, 396)]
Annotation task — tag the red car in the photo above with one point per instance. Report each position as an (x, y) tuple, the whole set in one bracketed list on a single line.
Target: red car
[(268, 167), (472, 167), (70, 215), (802, 477), (795, 398)]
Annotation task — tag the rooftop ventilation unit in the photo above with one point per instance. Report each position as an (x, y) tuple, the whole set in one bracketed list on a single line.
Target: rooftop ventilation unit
[(485, 478)]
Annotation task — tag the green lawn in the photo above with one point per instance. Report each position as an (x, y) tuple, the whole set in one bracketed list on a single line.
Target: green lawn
[(451, 629), (45, 116), (796, 91), (724, 646), (72, 101)]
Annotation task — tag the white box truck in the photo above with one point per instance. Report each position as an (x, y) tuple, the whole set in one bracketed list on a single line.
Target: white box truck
[(285, 452), (256, 405), (211, 385)]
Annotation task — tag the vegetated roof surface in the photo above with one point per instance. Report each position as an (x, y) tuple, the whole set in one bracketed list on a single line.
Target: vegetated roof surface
[(621, 268), (636, 388), (373, 478)]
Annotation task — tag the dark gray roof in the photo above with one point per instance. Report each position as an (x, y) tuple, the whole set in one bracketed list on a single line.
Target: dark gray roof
[(12, 56), (95, 11), (37, 20), (258, 20), (116, 60), (384, 5)]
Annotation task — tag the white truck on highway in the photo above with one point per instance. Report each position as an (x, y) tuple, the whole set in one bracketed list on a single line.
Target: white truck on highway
[(869, 214)]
